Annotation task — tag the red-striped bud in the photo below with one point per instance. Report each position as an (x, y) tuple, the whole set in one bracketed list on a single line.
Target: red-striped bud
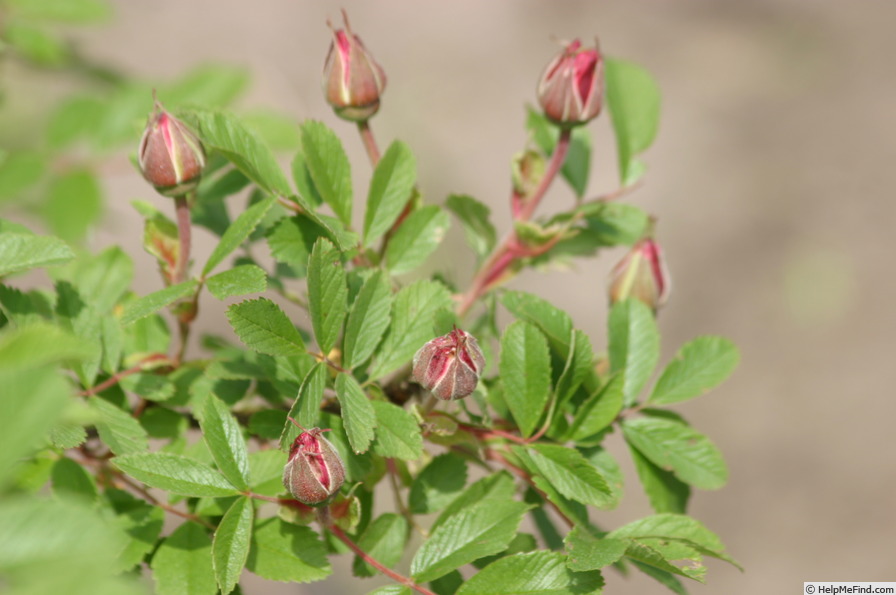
[(170, 156), (353, 81), (450, 365), (641, 274), (571, 90), (314, 471)]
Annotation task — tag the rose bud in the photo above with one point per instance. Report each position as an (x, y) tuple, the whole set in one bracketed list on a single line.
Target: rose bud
[(450, 365), (641, 274), (170, 155), (353, 81), (314, 471), (572, 87)]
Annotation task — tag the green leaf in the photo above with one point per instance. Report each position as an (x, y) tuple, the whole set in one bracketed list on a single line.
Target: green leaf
[(155, 301), (673, 446), (413, 313), (663, 555), (417, 237), (19, 171), (498, 486), (579, 365), (633, 98), (306, 408), (480, 530), (587, 552), (665, 492), (264, 327), (74, 202), (700, 365), (71, 480), (570, 473), (121, 432), (36, 43), (237, 233), (327, 293), (291, 240), (21, 252), (535, 573), (357, 412), (383, 540), (525, 368), (176, 474), (69, 11), (672, 526), (225, 440), (368, 320), (397, 432), (209, 84), (329, 168), (279, 131), (390, 190), (85, 323), (141, 522), (230, 547), (183, 563), (104, 279), (474, 216), (302, 177), (634, 345), (227, 135), (577, 165), (246, 278), (553, 322), (287, 553), (598, 411), (438, 483)]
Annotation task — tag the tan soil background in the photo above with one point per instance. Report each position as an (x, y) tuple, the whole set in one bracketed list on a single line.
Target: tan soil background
[(769, 178)]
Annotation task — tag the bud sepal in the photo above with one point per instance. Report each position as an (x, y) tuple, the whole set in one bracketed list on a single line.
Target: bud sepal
[(449, 366), (642, 274), (571, 88), (314, 471), (170, 156), (353, 81)]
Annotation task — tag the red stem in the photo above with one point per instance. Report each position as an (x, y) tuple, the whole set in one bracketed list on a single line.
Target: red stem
[(182, 209), (373, 152), (340, 534), (116, 378)]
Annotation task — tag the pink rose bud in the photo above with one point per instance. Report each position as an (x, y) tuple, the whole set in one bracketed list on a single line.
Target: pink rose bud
[(170, 155), (314, 471), (353, 81), (642, 275), (572, 87), (450, 365)]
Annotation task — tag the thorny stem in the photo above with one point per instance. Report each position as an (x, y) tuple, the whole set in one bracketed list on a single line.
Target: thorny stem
[(116, 378), (510, 247), (373, 152), (406, 581)]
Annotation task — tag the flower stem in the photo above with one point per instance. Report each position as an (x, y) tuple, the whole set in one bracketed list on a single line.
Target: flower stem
[(510, 247), (373, 152), (184, 231)]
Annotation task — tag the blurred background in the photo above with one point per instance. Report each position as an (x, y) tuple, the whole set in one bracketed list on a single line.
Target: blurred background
[(767, 177)]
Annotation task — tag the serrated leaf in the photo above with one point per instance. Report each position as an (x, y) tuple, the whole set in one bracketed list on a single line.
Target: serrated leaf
[(417, 237), (287, 553), (438, 484), (264, 327), (71, 480), (480, 530), (413, 313), (700, 365), (227, 135), (535, 573), (390, 190), (291, 240), (104, 279), (240, 280), (397, 432), (155, 301), (329, 167), (20, 252), (369, 318), (649, 552), (121, 432), (74, 202), (525, 367), (553, 322), (140, 521), (85, 323), (474, 216), (183, 563), (176, 474), (587, 552), (665, 492), (634, 345), (230, 547), (570, 473), (225, 440), (673, 446), (383, 540), (579, 365), (237, 233), (357, 412), (633, 99), (327, 293), (498, 486), (599, 410), (306, 408), (674, 527)]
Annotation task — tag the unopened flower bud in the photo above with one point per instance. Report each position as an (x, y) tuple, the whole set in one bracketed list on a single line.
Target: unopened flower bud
[(572, 87), (450, 365), (527, 171), (642, 275), (314, 471), (170, 155), (353, 81)]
